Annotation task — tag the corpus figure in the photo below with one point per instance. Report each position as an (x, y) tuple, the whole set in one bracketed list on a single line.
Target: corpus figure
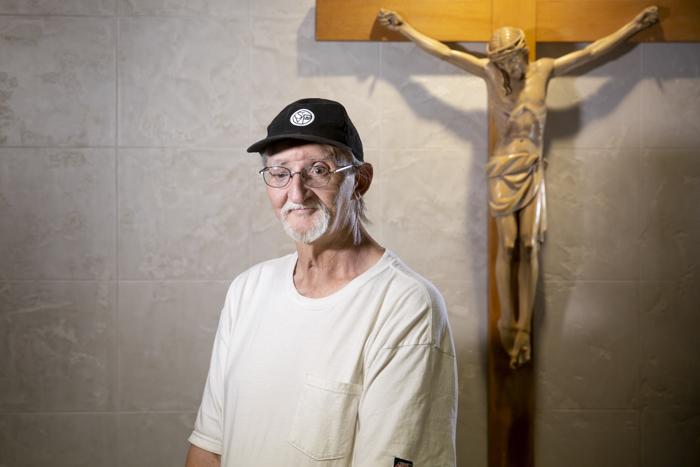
[(517, 91)]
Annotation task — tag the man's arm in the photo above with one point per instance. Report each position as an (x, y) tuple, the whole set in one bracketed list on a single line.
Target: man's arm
[(198, 457), (568, 62), (394, 21), (408, 407)]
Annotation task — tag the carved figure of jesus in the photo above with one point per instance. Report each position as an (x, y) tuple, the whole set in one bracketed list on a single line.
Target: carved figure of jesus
[(515, 169)]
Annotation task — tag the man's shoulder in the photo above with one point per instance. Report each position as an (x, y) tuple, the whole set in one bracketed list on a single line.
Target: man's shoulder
[(412, 301), (410, 281)]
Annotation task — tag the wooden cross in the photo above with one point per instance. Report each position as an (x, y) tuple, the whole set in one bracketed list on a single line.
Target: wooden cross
[(510, 393)]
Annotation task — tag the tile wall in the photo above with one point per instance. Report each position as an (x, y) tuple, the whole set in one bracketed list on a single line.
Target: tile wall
[(127, 204)]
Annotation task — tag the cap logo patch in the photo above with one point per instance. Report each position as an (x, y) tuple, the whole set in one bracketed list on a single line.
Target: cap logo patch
[(302, 117)]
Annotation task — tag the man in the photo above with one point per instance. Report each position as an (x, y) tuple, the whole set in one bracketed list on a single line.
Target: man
[(517, 92), (338, 354)]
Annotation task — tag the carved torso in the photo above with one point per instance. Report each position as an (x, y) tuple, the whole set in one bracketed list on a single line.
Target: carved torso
[(519, 112)]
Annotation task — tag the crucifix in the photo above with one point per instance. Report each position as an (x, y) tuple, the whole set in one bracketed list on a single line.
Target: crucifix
[(516, 84)]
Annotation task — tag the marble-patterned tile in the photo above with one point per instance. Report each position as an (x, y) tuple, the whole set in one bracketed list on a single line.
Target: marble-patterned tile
[(468, 317), (283, 8), (303, 67), (58, 209), (64, 7), (7, 448), (471, 438), (422, 192), (670, 107), (183, 213), (166, 333), (154, 439), (213, 8), (669, 321), (586, 351), (597, 106), (57, 83), (183, 82), (58, 346), (430, 104), (670, 438), (670, 215), (64, 440), (593, 223), (586, 438)]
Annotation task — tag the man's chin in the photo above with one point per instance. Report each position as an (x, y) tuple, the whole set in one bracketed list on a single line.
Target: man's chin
[(306, 235)]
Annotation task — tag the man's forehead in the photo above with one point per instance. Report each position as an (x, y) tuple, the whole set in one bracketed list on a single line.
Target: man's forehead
[(307, 152)]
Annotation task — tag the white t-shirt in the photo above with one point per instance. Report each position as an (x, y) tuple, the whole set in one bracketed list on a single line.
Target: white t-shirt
[(363, 377)]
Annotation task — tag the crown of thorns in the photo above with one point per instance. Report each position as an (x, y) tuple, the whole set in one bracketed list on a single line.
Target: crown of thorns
[(518, 45)]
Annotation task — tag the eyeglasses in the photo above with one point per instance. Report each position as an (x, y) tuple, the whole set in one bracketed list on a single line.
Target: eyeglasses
[(313, 176)]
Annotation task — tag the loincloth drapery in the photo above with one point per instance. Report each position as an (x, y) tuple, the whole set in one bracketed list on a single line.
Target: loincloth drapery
[(515, 181)]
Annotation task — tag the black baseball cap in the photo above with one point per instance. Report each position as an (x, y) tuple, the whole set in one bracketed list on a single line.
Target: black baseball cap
[(316, 120)]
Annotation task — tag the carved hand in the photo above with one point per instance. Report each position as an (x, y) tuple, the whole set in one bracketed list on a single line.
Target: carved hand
[(389, 19), (648, 17)]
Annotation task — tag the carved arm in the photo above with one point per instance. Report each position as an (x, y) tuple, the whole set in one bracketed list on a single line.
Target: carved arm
[(568, 62), (394, 21)]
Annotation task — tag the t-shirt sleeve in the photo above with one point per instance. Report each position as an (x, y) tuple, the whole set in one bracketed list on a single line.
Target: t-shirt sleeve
[(208, 426), (408, 409)]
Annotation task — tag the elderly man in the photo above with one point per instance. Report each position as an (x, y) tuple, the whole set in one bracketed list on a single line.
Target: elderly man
[(335, 355)]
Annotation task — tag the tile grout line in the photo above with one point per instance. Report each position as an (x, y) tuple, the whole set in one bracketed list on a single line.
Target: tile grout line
[(116, 397), (249, 243)]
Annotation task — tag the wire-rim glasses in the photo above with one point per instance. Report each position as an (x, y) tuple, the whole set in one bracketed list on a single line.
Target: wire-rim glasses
[(313, 176)]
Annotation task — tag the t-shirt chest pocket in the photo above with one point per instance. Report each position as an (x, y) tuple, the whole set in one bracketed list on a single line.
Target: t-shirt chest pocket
[(324, 422)]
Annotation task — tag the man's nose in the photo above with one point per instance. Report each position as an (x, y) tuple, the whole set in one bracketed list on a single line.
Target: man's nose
[(297, 191)]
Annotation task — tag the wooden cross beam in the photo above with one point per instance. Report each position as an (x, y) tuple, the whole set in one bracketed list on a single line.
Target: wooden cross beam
[(473, 20), (510, 392)]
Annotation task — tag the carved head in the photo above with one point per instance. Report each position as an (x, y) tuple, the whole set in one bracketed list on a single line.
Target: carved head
[(507, 49), (505, 42)]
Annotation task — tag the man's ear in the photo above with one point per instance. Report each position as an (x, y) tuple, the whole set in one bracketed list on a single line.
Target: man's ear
[(363, 180)]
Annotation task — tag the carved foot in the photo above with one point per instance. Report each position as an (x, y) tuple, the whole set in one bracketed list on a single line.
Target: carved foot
[(516, 342)]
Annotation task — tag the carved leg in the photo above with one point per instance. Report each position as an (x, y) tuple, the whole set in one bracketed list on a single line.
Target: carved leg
[(507, 233), (528, 272)]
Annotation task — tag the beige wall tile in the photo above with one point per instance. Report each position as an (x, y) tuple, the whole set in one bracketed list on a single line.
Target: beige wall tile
[(586, 354), (596, 106), (587, 438), (183, 82), (64, 7), (430, 104), (58, 211), (592, 204), (669, 319), (670, 215), (433, 212), (59, 346), (671, 95), (7, 446), (57, 84), (467, 313), (65, 440), (290, 64), (183, 213), (214, 8), (284, 8), (166, 333), (154, 439), (670, 438)]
